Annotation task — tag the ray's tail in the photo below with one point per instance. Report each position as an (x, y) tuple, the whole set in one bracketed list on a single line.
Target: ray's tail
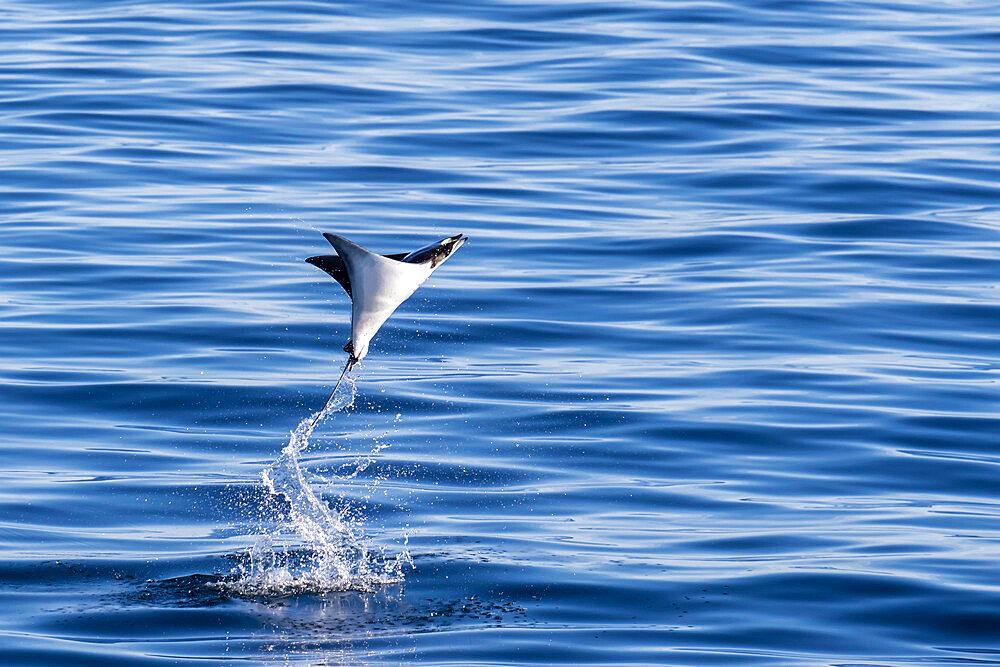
[(333, 393)]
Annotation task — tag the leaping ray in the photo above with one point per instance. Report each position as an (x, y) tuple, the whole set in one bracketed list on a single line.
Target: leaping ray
[(378, 284)]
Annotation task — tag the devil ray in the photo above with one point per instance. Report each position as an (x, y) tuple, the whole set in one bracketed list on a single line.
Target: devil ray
[(378, 284)]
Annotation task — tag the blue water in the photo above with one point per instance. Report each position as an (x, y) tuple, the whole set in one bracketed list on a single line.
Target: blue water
[(714, 382)]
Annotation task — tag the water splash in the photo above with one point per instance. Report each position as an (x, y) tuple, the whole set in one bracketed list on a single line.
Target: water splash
[(315, 547)]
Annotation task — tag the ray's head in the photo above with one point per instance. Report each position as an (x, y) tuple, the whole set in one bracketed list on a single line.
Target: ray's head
[(436, 252)]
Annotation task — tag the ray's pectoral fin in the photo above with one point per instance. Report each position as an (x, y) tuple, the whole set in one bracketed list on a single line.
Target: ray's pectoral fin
[(334, 265)]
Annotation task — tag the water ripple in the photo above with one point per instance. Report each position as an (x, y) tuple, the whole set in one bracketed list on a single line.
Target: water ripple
[(713, 381)]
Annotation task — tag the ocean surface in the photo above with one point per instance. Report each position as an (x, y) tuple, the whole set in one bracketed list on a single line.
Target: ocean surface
[(715, 381)]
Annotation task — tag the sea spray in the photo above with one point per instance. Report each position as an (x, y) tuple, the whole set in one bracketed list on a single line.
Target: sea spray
[(315, 547)]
